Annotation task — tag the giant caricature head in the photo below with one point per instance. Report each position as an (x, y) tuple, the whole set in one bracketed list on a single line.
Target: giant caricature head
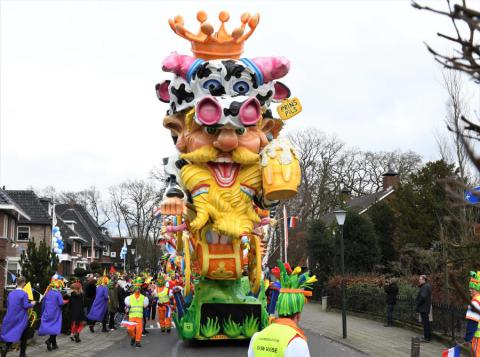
[(219, 113)]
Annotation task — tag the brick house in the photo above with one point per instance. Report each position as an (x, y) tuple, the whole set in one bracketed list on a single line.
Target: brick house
[(10, 214), (38, 227)]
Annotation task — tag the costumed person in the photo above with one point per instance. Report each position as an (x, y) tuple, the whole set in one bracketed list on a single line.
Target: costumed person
[(51, 321), (136, 303), (113, 304), (77, 313), (99, 309), (164, 307), (90, 289), (283, 338), (472, 334), (15, 324), (273, 290)]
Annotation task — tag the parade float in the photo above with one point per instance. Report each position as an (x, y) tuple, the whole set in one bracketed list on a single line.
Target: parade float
[(230, 171)]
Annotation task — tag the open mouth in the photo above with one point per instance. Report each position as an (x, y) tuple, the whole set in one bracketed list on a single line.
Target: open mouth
[(224, 170)]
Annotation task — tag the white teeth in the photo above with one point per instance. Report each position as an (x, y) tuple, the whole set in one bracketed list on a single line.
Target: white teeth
[(224, 159)]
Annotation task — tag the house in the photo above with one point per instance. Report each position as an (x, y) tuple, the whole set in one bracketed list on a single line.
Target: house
[(361, 204), (38, 227), (10, 214), (116, 248), (86, 241)]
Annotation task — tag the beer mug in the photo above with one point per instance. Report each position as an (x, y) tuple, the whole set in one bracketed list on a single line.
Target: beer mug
[(280, 170)]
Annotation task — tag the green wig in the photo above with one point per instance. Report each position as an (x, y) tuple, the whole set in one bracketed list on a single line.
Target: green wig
[(292, 293), (474, 280)]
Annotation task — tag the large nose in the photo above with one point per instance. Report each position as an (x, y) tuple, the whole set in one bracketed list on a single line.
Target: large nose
[(208, 111), (226, 140)]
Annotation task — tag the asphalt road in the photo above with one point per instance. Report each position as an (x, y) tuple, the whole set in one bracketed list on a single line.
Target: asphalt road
[(157, 344)]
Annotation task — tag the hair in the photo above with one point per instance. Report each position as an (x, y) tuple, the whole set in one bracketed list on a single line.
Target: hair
[(21, 280), (424, 277)]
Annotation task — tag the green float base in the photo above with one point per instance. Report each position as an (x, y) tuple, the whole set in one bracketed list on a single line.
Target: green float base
[(222, 309)]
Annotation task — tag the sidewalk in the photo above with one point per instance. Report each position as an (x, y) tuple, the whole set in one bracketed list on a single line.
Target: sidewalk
[(91, 344), (368, 336)]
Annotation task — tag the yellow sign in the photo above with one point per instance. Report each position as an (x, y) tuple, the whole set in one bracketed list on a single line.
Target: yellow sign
[(289, 108)]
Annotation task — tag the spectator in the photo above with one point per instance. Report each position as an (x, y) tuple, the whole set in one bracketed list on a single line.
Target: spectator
[(423, 303), (391, 291), (90, 292)]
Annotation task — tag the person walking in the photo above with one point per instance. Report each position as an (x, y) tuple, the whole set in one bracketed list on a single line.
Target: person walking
[(136, 303), (51, 320), (77, 311), (99, 309), (15, 324), (391, 291), (283, 338), (113, 304), (164, 307), (423, 303), (472, 334), (90, 289)]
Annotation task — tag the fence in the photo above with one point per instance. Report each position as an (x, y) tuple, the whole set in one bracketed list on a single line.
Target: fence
[(447, 320)]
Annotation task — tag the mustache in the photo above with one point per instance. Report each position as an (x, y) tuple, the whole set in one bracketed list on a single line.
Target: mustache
[(209, 153)]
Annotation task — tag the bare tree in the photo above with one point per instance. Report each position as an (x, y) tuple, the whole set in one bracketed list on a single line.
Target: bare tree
[(132, 206)]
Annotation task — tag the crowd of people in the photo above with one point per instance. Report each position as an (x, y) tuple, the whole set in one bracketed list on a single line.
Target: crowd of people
[(111, 301)]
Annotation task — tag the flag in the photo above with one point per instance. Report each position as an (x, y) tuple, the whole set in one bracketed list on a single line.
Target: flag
[(127, 324), (28, 289), (14, 278), (156, 212), (452, 352), (112, 270), (292, 221)]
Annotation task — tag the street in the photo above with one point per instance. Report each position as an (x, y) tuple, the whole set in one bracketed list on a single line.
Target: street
[(158, 344), (117, 344)]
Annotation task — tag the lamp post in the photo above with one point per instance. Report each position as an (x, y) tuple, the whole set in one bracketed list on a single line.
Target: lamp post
[(128, 242), (340, 216)]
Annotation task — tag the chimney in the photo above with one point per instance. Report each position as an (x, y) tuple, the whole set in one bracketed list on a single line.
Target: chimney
[(390, 179), (346, 195)]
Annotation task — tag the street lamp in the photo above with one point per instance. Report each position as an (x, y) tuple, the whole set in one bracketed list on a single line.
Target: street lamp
[(340, 216), (129, 241)]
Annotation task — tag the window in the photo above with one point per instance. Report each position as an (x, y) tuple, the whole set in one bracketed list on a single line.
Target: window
[(12, 229), (5, 226), (89, 253), (77, 247), (113, 254), (106, 251), (23, 233), (13, 270)]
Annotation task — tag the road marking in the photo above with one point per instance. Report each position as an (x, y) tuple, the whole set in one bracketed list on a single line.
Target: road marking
[(175, 348)]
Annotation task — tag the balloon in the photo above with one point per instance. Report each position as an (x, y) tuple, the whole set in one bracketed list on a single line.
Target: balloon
[(55, 229), (57, 234), (55, 245)]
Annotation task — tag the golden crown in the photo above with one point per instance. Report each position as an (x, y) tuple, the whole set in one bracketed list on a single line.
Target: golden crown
[(208, 44)]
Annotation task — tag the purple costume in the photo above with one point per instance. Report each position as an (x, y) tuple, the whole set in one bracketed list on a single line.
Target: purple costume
[(100, 304), (16, 319), (51, 322)]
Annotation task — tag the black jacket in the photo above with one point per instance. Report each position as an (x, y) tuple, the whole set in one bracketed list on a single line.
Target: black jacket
[(423, 301), (77, 304), (392, 291)]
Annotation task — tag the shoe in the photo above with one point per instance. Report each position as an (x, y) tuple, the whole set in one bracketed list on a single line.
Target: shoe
[(49, 345), (72, 338), (163, 329), (168, 330), (54, 346), (425, 340), (3, 352), (91, 329), (132, 342), (146, 332), (77, 338), (138, 345)]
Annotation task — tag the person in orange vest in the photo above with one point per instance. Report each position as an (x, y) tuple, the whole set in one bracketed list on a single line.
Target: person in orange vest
[(164, 306), (136, 303), (283, 338)]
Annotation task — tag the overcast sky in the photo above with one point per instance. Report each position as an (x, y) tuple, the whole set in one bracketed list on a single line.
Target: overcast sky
[(78, 106)]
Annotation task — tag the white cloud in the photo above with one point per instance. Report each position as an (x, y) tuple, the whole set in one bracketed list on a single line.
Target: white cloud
[(78, 106)]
